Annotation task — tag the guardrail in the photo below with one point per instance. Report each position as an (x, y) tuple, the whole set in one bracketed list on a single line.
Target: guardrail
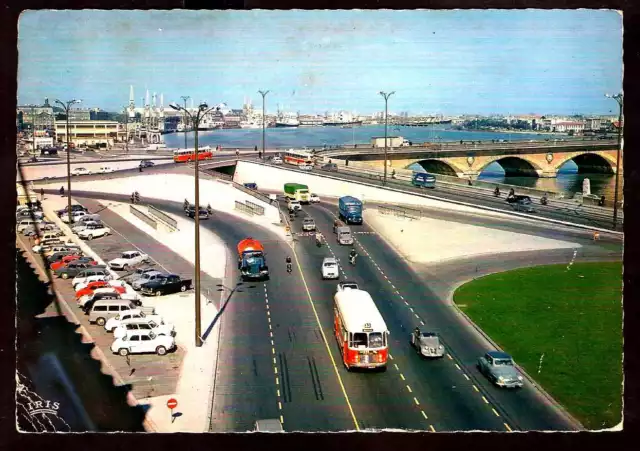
[(240, 206), (163, 216), (143, 217), (251, 192), (257, 209), (403, 212)]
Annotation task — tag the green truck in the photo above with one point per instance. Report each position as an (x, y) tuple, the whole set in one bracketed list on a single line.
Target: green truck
[(297, 192)]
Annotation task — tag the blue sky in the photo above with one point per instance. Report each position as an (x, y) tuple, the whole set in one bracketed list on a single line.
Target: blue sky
[(447, 62)]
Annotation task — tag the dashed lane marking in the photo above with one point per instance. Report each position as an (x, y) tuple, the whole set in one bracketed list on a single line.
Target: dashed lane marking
[(485, 400), (465, 376), (432, 428), (422, 323), (476, 388), (494, 411), (508, 428), (402, 376), (449, 355), (424, 415), (416, 401), (457, 366), (273, 351), (279, 405), (409, 388), (396, 367), (416, 315)]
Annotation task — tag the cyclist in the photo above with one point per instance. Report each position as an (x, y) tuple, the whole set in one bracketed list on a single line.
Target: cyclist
[(289, 265), (352, 256)]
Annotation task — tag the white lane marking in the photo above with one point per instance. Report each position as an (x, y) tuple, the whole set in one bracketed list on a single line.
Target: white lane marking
[(424, 415), (485, 400), (409, 388)]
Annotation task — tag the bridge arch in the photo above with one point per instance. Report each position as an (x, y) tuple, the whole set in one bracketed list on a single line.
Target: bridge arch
[(515, 166), (436, 166), (592, 163)]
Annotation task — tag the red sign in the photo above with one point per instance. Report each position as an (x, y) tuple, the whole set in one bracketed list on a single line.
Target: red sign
[(172, 403)]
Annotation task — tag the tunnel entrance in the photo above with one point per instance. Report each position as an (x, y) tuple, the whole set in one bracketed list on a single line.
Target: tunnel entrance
[(515, 167), (434, 167), (591, 163)]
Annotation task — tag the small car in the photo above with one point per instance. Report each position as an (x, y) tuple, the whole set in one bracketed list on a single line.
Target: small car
[(331, 167), (308, 224), (427, 344), (80, 171), (128, 259), (146, 164), (330, 268), (521, 203), (127, 327), (314, 198), (252, 186), (105, 170), (191, 212), (135, 315), (347, 285), (305, 167), (147, 277), (74, 215), (140, 342), (500, 369), (276, 160), (94, 230), (269, 425), (294, 205)]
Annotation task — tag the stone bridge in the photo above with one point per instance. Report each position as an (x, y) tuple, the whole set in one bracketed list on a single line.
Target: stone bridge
[(516, 160)]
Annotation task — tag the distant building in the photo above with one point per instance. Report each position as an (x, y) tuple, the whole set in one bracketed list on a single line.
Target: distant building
[(99, 115), (40, 115), (593, 123), (563, 127), (392, 141), (88, 133), (79, 114)]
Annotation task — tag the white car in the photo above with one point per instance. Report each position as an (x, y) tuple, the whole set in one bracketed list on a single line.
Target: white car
[(330, 269), (75, 215), (128, 259), (105, 170), (79, 283), (276, 160), (129, 316), (294, 205), (130, 326), (94, 230), (80, 171), (141, 341), (347, 285), (305, 167), (314, 198), (308, 224)]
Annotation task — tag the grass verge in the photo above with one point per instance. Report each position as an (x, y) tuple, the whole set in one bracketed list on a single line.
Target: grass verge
[(572, 316)]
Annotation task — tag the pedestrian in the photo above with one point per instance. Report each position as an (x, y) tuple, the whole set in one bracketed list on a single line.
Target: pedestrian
[(41, 193), (260, 155), (255, 148), (470, 184), (460, 141), (237, 154), (140, 168)]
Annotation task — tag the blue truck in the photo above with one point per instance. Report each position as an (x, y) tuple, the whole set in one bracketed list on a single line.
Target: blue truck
[(350, 210)]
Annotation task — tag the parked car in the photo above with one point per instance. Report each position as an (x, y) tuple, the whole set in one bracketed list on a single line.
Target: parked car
[(80, 171), (24, 223), (252, 186), (331, 167), (427, 344), (57, 256), (143, 342), (146, 277), (47, 227), (130, 316), (308, 224), (166, 285), (74, 268), (105, 170), (86, 302), (146, 164), (347, 285), (191, 212), (74, 207), (94, 230), (330, 268), (314, 198), (500, 369), (138, 273), (104, 309), (91, 287), (129, 327), (71, 258), (92, 274), (75, 215), (127, 260), (64, 248)]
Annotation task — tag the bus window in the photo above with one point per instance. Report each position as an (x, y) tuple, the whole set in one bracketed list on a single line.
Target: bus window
[(376, 340), (359, 339)]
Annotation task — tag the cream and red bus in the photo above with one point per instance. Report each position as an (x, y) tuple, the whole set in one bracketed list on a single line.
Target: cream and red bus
[(360, 330), (184, 155), (298, 157)]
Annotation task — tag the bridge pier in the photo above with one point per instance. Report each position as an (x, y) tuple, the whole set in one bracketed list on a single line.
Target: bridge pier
[(547, 173)]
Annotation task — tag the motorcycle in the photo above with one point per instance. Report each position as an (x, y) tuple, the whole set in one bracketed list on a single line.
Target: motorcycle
[(289, 268), (318, 241), (496, 193), (210, 211), (544, 200), (352, 259)]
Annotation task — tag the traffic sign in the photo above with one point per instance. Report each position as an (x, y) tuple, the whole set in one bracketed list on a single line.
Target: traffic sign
[(172, 403)]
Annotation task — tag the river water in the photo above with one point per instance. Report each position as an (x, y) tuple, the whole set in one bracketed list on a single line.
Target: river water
[(568, 180)]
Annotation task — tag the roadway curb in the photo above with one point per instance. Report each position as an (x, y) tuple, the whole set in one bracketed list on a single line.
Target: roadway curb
[(149, 425), (532, 381)]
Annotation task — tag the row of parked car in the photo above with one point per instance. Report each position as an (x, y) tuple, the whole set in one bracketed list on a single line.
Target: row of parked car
[(110, 303)]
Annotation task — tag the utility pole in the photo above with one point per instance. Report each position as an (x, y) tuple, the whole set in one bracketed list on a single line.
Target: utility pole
[(386, 124), (263, 94), (67, 107), (203, 109), (126, 130), (620, 99)]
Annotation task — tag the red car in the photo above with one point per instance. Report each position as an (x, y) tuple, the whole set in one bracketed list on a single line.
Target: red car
[(66, 259), (89, 289)]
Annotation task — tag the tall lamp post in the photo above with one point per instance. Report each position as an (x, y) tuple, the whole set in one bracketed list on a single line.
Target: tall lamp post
[(620, 99), (203, 109), (184, 99), (263, 94), (66, 107), (386, 124)]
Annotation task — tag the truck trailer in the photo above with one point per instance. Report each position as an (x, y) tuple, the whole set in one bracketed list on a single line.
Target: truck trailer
[(251, 260), (297, 192), (350, 210)]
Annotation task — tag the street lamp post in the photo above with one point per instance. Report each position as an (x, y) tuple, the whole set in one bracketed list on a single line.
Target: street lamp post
[(126, 130), (386, 124), (263, 94), (203, 109), (184, 99), (67, 107), (620, 99)]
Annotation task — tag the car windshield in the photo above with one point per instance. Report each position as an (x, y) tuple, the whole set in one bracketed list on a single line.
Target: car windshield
[(329, 265), (503, 362), (304, 191), (308, 221)]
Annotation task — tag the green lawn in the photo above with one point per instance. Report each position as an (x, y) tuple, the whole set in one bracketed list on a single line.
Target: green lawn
[(572, 316)]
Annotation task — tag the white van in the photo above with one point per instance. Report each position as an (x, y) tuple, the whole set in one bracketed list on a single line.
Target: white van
[(24, 223)]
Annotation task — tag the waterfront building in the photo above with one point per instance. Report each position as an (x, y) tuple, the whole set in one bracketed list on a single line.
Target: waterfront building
[(89, 133), (575, 126), (593, 123)]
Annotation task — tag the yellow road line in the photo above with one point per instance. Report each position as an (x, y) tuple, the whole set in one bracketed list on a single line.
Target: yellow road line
[(465, 376), (432, 428), (275, 369), (277, 381), (416, 400), (449, 355), (409, 388), (279, 405), (402, 376), (278, 390), (494, 411), (485, 400), (326, 342), (281, 419), (424, 415), (507, 426), (457, 366), (476, 389)]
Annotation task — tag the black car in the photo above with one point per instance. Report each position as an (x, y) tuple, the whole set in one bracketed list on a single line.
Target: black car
[(49, 151), (191, 212), (252, 186), (74, 268), (166, 285), (146, 164), (74, 207), (59, 255)]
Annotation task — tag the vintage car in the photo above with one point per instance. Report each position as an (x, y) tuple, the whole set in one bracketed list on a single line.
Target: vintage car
[(500, 369), (427, 344)]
